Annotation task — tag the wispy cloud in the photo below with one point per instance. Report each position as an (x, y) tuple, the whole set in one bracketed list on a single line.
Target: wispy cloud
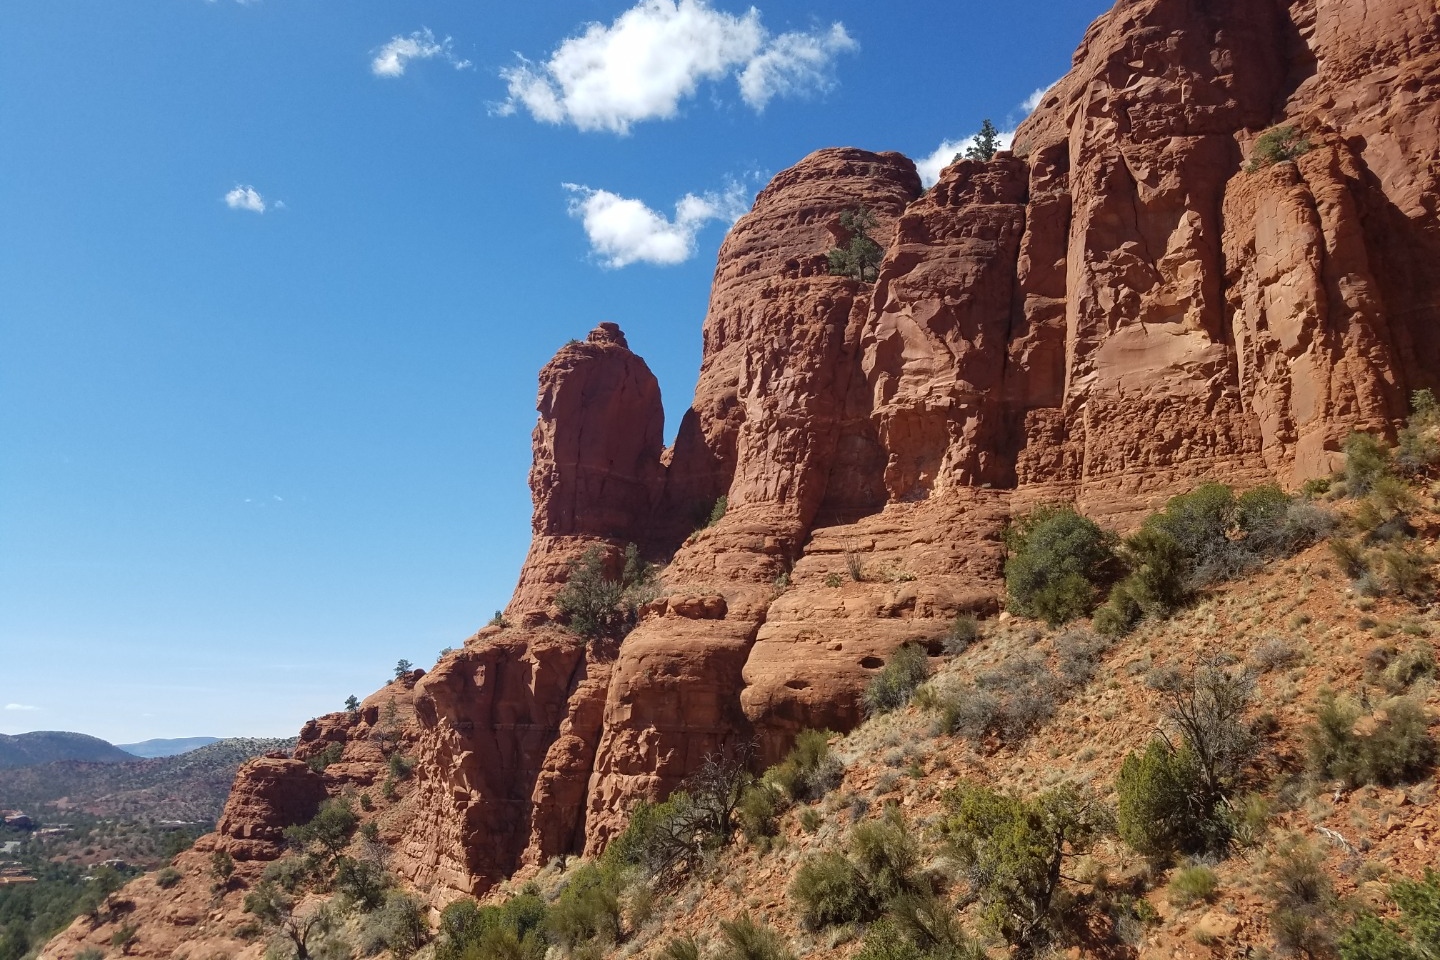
[(391, 59), (21, 707), (245, 197), (1033, 101), (623, 231), (945, 154), (656, 55)]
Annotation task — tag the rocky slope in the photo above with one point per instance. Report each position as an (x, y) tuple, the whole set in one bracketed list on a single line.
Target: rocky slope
[(1118, 309)]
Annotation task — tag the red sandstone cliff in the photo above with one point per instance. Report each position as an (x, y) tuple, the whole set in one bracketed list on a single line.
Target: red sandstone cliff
[(1111, 313)]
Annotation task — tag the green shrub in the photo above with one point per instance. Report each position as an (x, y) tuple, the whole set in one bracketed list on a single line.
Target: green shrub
[(1058, 561), (1408, 573), (882, 864), (758, 811), (1159, 581), (90, 953), (1350, 557), (597, 607), (587, 910), (1302, 900), (1397, 748), (1192, 885), (831, 891), (919, 928), (1367, 461), (222, 867), (963, 633), (167, 877), (1155, 811), (895, 684), (1416, 452), (668, 839), (399, 925), (1416, 662), (363, 882), (331, 754), (744, 939), (1414, 936), (810, 770), (1015, 849), (860, 257), (288, 873), (681, 948), (399, 766), (1277, 145), (717, 512), (327, 833), (1172, 798), (1120, 613), (510, 931), (888, 856)]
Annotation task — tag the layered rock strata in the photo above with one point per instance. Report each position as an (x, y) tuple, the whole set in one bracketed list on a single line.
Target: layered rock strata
[(1121, 307)]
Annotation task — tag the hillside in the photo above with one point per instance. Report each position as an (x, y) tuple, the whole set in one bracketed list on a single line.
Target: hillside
[(1210, 259), (150, 749), (47, 746), (189, 787)]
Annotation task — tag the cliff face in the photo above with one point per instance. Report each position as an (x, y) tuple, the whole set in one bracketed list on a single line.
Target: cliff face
[(1110, 314)]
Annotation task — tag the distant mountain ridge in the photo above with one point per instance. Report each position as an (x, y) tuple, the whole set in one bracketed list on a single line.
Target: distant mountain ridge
[(191, 786), (150, 749), (48, 746)]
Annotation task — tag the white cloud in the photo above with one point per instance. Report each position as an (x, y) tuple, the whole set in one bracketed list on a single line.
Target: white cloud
[(1033, 101), (944, 155), (794, 64), (245, 198), (656, 54), (21, 706), (391, 59), (623, 231)]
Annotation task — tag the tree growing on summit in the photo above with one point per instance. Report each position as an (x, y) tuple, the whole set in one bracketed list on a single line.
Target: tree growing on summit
[(403, 667), (352, 704), (986, 145), (860, 257)]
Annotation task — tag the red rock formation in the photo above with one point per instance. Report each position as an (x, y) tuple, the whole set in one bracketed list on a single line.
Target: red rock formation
[(490, 715), (1117, 310), (270, 793), (596, 474), (773, 422)]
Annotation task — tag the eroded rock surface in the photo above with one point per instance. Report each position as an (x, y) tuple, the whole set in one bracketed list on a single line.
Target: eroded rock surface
[(1119, 309)]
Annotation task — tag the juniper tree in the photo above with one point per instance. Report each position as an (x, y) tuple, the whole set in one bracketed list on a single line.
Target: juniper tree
[(861, 255)]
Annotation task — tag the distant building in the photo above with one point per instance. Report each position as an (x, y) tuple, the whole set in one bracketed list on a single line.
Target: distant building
[(16, 820)]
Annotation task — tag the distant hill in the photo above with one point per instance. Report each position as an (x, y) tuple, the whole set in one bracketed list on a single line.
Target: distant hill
[(149, 749), (47, 746), (191, 786)]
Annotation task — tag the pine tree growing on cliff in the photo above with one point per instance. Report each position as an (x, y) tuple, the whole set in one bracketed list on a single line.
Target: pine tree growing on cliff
[(986, 145), (860, 257), (598, 607)]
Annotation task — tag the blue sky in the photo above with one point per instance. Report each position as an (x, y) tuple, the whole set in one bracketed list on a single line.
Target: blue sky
[(276, 278)]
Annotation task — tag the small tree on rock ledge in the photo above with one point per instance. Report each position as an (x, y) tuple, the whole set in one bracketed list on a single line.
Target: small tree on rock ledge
[(860, 257)]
